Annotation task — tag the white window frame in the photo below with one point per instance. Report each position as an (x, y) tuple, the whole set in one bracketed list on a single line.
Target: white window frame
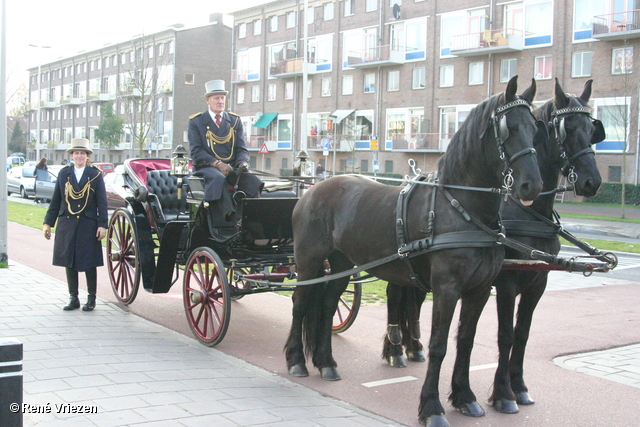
[(393, 81), (621, 55), (581, 64), (542, 60), (369, 85), (326, 86), (347, 84), (291, 19), (612, 130), (446, 75), (476, 73), (349, 7), (242, 30), (419, 78), (240, 95), (508, 63), (273, 23), (370, 5), (328, 11), (271, 92), (255, 93), (257, 27)]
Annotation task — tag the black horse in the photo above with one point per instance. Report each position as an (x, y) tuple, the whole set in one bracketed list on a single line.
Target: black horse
[(569, 151), (352, 220)]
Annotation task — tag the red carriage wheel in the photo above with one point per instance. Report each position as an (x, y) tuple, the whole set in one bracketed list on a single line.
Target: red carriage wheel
[(123, 260), (348, 307), (207, 296)]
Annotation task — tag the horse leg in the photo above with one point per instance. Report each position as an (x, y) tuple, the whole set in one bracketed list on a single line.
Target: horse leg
[(305, 312), (392, 347), (503, 399), (528, 302), (431, 411), (328, 303), (411, 340), (461, 396)]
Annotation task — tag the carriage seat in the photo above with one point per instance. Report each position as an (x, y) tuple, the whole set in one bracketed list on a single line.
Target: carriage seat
[(163, 195)]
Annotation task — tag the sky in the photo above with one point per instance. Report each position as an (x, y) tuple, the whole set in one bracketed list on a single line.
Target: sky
[(71, 26)]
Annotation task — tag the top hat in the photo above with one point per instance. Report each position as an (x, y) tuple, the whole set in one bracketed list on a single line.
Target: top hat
[(214, 87), (79, 144)]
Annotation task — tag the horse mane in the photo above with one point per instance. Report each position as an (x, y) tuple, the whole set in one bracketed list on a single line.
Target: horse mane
[(467, 141)]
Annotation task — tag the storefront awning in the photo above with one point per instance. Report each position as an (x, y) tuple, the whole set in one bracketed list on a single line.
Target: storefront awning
[(340, 115), (265, 120)]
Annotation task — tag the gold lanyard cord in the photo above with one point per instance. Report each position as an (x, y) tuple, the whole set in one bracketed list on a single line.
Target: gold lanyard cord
[(214, 139), (69, 191)]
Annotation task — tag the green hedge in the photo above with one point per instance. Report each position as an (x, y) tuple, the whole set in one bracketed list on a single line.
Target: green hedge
[(611, 192)]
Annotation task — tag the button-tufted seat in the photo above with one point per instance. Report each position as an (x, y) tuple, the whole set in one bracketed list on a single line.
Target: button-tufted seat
[(164, 187)]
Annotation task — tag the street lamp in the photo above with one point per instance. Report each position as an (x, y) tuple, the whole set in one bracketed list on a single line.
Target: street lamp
[(39, 102)]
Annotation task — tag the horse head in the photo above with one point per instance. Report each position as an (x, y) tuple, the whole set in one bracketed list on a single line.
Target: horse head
[(573, 132), (515, 132)]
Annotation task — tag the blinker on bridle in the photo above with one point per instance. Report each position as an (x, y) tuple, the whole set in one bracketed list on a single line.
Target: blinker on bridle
[(501, 133)]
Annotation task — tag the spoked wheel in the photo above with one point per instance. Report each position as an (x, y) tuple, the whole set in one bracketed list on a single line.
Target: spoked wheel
[(123, 259), (348, 307), (207, 296)]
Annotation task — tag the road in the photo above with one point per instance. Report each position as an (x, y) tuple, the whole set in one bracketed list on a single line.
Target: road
[(578, 314)]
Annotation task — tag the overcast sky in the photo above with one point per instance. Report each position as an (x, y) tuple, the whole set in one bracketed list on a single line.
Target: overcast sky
[(71, 26)]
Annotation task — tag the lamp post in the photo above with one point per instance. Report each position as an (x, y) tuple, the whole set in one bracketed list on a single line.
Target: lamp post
[(39, 102)]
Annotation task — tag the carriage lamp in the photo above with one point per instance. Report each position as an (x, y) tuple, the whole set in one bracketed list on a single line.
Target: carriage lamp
[(306, 167), (179, 166)]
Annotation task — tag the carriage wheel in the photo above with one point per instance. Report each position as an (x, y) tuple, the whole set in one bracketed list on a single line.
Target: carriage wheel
[(348, 307), (207, 296), (123, 260)]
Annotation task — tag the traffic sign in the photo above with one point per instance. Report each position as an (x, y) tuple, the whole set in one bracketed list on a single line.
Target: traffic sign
[(264, 149)]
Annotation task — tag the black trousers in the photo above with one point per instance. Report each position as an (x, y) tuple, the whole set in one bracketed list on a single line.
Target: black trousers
[(72, 281)]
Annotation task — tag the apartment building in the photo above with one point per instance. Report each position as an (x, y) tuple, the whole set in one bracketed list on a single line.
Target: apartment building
[(154, 82), (402, 75)]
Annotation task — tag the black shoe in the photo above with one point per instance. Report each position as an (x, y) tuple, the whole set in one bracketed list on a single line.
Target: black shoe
[(74, 303), (91, 303)]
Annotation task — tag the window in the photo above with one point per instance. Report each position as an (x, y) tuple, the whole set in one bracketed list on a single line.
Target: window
[(347, 84), (531, 18), (411, 37), (114, 60), (476, 71), (189, 78), (240, 95), (542, 69), (169, 103), (273, 23), (271, 92), (360, 45), (248, 64), (446, 76), (328, 11), (584, 11), (257, 27), (310, 16), (614, 115), (161, 49), (393, 81), (326, 86), (242, 30), (581, 64), (388, 166), (615, 174), (508, 69), (349, 7), (150, 51), (255, 93), (291, 19), (622, 60), (369, 83), (320, 51), (288, 90), (370, 5), (419, 79)]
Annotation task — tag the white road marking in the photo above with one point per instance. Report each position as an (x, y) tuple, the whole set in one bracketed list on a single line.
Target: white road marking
[(480, 367), (389, 381)]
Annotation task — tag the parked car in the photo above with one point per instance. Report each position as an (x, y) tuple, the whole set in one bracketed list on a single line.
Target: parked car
[(46, 183), (117, 189), (14, 162), (104, 167), (21, 180)]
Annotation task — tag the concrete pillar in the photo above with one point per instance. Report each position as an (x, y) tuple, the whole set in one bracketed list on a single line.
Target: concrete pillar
[(10, 382)]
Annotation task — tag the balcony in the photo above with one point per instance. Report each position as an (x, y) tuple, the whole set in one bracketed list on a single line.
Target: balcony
[(130, 91), (67, 100), (430, 142), (617, 26), (487, 42), (376, 57), (291, 68), (48, 104)]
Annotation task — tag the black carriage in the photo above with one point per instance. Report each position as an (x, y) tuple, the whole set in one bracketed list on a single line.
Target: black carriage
[(163, 235)]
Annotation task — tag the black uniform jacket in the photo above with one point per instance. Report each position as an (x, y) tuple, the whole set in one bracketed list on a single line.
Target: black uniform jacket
[(76, 245), (233, 153)]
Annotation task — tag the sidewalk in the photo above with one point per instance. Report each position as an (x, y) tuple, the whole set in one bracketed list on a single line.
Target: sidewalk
[(130, 371)]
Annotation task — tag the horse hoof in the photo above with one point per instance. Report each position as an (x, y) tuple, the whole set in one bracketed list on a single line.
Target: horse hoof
[(396, 362), (506, 406), (471, 409), (437, 421), (523, 398), (416, 356), (298, 370), (330, 374)]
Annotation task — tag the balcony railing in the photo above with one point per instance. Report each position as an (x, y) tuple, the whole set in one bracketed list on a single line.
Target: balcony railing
[(130, 91), (485, 42), (291, 68), (376, 56), (617, 26)]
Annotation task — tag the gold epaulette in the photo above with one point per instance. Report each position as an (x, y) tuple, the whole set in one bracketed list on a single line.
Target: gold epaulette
[(194, 115), (233, 114)]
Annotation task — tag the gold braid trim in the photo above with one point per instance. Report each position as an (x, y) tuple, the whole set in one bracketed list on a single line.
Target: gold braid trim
[(214, 139), (77, 195)]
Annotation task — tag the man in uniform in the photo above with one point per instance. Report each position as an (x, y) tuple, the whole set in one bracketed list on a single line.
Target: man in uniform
[(220, 156)]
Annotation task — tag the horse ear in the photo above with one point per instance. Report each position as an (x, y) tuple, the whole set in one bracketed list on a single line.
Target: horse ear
[(512, 88), (586, 93), (561, 99), (530, 94)]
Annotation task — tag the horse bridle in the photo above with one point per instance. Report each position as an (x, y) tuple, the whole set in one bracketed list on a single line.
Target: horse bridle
[(557, 122), (501, 133)]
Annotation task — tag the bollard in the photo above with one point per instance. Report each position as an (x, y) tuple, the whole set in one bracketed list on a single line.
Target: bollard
[(10, 382)]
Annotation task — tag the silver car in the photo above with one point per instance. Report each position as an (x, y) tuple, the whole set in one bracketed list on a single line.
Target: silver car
[(21, 180), (46, 183)]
